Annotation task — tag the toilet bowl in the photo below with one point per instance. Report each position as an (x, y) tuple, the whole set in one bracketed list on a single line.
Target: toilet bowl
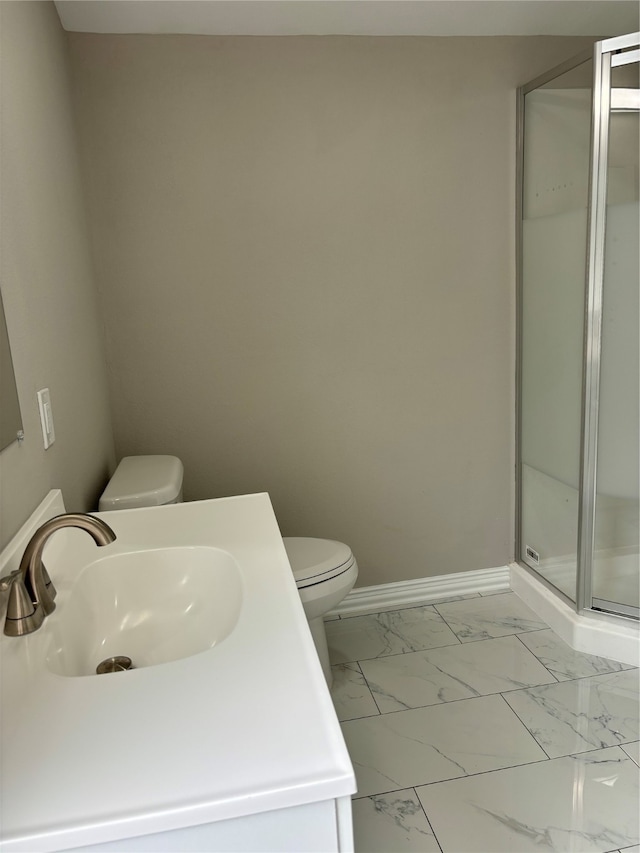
[(324, 570)]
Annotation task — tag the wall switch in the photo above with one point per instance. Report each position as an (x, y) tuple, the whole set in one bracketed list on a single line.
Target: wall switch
[(46, 417)]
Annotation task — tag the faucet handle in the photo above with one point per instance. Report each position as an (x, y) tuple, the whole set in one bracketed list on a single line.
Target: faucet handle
[(7, 580), (23, 616)]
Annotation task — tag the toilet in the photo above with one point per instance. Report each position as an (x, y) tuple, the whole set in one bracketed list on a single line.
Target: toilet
[(324, 570)]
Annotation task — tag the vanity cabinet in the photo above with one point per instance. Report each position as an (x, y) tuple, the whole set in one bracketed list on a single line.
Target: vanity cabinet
[(322, 827), (234, 747)]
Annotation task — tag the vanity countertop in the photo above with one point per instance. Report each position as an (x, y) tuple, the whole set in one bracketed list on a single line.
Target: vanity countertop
[(245, 727)]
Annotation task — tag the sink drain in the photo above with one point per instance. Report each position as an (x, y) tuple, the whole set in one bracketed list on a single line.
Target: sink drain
[(116, 664)]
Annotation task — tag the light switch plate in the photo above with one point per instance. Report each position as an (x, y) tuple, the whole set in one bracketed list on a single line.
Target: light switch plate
[(46, 417)]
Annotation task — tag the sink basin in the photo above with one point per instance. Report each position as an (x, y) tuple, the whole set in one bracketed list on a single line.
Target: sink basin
[(153, 606)]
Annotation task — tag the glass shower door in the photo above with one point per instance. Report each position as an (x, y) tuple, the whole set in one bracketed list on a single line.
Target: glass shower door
[(553, 244), (579, 386)]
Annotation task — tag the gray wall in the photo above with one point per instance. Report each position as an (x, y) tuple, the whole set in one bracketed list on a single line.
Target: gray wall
[(305, 253), (47, 279)]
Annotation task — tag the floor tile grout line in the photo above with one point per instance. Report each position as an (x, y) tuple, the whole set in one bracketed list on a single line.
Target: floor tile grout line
[(504, 637), (368, 686), (593, 749), (424, 812), (597, 749), (446, 623), (622, 747), (347, 616), (469, 775), (524, 645), (460, 643), (452, 701), (395, 654), (529, 732), (435, 606), (472, 642), (511, 634), (570, 680), (502, 693), (525, 726), (373, 696), (435, 705), (551, 684), (449, 701), (352, 719), (457, 643), (458, 640), (422, 809), (390, 610), (495, 770), (598, 674), (623, 667)]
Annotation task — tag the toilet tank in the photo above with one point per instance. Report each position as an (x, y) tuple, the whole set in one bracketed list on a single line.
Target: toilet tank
[(143, 481)]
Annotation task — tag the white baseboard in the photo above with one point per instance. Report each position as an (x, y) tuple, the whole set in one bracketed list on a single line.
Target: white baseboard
[(414, 593)]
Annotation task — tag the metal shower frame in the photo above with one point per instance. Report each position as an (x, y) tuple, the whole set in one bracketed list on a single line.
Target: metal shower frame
[(606, 54)]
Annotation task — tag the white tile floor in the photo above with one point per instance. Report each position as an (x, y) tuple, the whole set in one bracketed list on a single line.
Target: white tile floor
[(472, 727)]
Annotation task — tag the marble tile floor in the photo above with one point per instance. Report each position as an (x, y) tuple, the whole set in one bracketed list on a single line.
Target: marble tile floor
[(473, 728)]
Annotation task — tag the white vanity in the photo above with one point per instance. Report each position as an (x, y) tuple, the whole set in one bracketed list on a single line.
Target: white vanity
[(236, 747)]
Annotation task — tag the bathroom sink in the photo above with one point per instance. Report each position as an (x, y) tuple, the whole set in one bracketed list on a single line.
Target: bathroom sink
[(152, 606), (226, 717)]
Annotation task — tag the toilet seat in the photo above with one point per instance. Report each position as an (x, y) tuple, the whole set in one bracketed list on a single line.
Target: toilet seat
[(315, 561)]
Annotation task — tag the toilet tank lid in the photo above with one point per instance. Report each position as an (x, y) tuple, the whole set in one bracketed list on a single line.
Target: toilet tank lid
[(143, 481)]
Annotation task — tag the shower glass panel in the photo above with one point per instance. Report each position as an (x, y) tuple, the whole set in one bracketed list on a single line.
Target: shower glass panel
[(553, 244), (616, 562)]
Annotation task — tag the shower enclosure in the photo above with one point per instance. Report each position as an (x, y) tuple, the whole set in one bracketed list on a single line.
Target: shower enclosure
[(578, 329)]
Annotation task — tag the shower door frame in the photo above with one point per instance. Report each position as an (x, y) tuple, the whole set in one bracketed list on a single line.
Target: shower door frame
[(541, 80), (626, 51), (603, 61)]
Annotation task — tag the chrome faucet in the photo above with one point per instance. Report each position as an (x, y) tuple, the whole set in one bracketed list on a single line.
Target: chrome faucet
[(31, 592)]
